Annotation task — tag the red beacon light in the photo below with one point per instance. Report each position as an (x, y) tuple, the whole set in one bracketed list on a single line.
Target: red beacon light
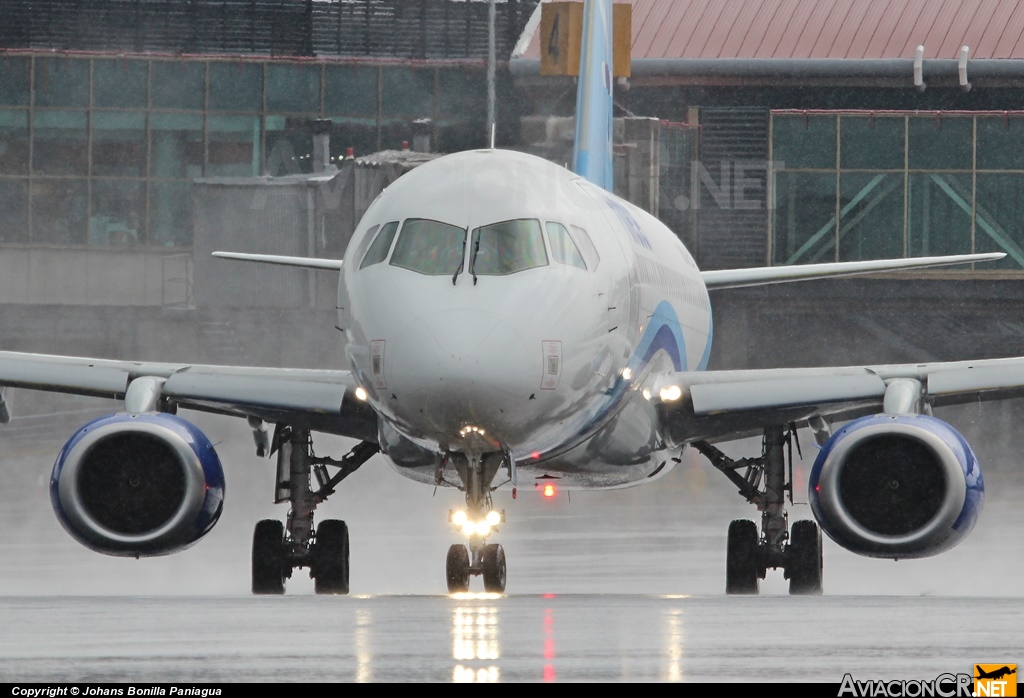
[(548, 491)]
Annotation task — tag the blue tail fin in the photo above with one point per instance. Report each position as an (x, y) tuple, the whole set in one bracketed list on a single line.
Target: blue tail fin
[(592, 156)]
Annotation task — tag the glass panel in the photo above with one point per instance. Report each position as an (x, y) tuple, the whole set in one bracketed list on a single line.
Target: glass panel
[(563, 249), (507, 247), (939, 213), (59, 210), (871, 143), (177, 145), (178, 84), (351, 90), (804, 142), (804, 220), (62, 82), (119, 83), (378, 251), (1000, 143), (236, 86), (463, 93), (940, 143), (293, 87), (171, 214), (351, 132), (407, 92), (13, 211), (119, 144), (61, 142), (14, 142), (587, 247), (14, 79), (999, 225), (234, 146), (870, 215), (430, 247), (118, 212), (289, 146)]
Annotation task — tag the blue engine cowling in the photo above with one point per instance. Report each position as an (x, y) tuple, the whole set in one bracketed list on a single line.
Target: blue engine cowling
[(138, 485), (896, 486)]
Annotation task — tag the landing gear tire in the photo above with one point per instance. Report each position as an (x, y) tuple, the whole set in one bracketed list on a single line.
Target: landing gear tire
[(804, 566), (268, 573), (457, 569), (741, 559), (494, 569), (330, 558)]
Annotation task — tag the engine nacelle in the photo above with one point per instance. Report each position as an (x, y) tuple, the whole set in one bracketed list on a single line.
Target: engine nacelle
[(138, 485), (896, 486)]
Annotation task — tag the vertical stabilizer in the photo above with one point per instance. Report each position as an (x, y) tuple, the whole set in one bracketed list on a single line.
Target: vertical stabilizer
[(592, 151)]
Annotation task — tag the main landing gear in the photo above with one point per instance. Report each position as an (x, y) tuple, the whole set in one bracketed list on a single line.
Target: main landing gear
[(276, 551), (478, 521), (749, 554)]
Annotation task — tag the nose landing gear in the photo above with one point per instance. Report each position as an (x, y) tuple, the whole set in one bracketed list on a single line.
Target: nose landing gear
[(479, 520)]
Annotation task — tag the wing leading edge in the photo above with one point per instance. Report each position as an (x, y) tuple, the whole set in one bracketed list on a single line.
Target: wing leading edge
[(721, 405), (759, 276), (323, 400)]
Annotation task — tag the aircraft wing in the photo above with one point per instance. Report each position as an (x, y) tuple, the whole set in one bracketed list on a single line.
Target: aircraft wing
[(321, 400), (721, 405)]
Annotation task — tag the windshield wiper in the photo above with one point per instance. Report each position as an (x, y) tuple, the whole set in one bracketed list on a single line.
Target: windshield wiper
[(462, 263), (472, 258)]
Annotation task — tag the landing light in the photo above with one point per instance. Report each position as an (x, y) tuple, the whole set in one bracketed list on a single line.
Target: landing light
[(627, 373), (670, 393), (361, 394), (458, 517)]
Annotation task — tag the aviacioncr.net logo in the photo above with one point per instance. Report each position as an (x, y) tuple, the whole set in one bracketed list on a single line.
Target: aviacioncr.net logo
[(995, 680), (942, 686)]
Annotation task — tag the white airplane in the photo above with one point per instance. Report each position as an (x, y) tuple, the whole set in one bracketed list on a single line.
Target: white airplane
[(510, 322)]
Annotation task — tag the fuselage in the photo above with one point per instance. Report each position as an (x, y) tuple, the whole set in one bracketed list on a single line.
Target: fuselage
[(495, 302)]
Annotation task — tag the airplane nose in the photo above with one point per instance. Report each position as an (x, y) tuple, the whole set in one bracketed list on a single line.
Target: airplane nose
[(457, 367)]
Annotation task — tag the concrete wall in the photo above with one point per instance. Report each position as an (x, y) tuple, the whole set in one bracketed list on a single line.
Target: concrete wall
[(44, 275)]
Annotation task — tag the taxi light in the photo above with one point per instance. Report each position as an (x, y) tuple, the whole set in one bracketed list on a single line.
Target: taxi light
[(483, 528), (647, 394), (627, 373), (549, 491), (670, 393), (493, 518), (469, 528)]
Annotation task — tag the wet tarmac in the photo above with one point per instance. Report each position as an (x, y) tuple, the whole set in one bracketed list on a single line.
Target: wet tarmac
[(558, 637)]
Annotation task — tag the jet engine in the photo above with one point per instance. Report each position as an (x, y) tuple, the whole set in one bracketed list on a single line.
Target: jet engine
[(138, 485), (896, 486)]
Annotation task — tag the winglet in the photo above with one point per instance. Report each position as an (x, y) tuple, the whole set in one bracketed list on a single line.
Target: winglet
[(592, 148), (305, 262)]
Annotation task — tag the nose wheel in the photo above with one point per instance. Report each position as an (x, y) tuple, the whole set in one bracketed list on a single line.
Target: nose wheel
[(490, 564), (457, 569)]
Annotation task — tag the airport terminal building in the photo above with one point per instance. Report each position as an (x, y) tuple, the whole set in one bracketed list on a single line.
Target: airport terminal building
[(778, 132)]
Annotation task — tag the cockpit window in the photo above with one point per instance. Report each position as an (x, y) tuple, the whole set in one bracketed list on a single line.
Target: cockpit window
[(429, 247), (586, 246), (378, 251), (507, 247), (563, 249)]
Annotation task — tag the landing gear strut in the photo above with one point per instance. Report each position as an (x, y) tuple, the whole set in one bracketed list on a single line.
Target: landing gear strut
[(324, 550), (479, 521), (750, 555)]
